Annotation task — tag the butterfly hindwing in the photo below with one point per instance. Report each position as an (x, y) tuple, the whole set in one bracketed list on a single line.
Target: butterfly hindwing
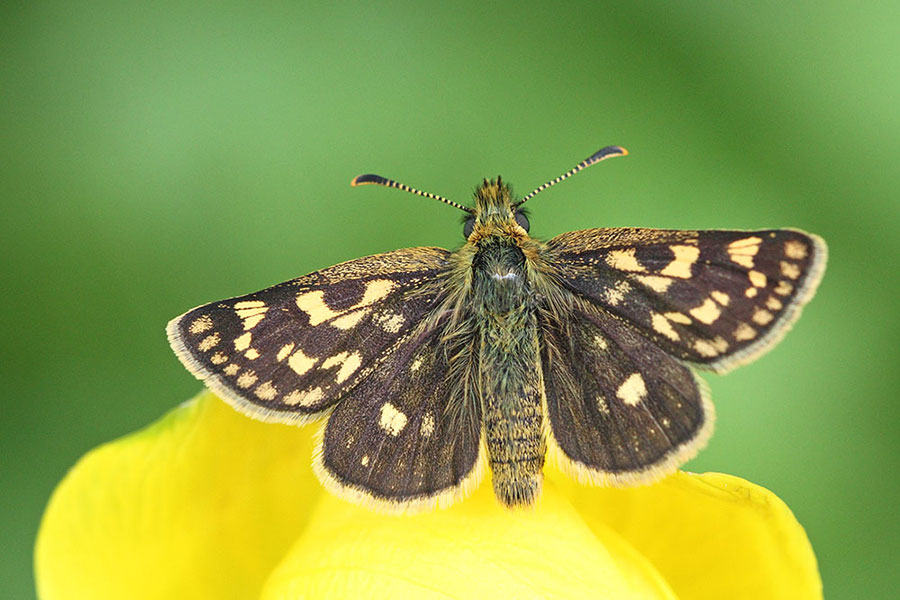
[(715, 298), (620, 409), (291, 351), (408, 439)]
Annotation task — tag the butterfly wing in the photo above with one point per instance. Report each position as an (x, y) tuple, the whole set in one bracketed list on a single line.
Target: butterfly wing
[(718, 299), (622, 406), (621, 410), (290, 352), (410, 438)]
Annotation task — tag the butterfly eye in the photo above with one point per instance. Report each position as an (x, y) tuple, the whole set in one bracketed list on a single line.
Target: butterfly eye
[(468, 226), (522, 220)]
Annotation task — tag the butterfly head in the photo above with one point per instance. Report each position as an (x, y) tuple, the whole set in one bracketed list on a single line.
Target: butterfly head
[(495, 213)]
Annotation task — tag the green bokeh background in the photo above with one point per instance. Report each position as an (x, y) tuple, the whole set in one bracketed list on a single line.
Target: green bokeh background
[(157, 157)]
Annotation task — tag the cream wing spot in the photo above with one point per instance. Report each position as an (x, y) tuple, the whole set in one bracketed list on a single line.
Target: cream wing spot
[(266, 391), (663, 326), (284, 352), (678, 317), (632, 390), (251, 312), (602, 405), (251, 322), (707, 312), (795, 249), (391, 322), (249, 304), (201, 324), (720, 344), (774, 303), (757, 279), (710, 348), (744, 332), (376, 290), (742, 251), (749, 242), (705, 348), (751, 292), (293, 398), (616, 294), (349, 367), (789, 269), (427, 427), (231, 370), (600, 342), (313, 304), (625, 260), (364, 461), (209, 342), (218, 359), (762, 316), (252, 354), (304, 398), (314, 395), (743, 260), (301, 363), (349, 363), (391, 420), (246, 379), (655, 282), (243, 342), (350, 319), (685, 257), (720, 297), (784, 288)]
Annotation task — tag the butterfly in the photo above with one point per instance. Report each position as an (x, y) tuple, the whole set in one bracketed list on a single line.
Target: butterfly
[(426, 365)]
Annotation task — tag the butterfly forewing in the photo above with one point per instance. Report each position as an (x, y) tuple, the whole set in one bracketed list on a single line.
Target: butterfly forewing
[(408, 439), (620, 409), (291, 351), (714, 298)]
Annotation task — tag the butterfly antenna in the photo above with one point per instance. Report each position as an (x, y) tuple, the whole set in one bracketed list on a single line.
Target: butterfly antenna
[(594, 158), (379, 180)]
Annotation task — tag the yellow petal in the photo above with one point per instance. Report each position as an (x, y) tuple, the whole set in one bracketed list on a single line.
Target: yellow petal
[(711, 535), (201, 504), (209, 504), (476, 549)]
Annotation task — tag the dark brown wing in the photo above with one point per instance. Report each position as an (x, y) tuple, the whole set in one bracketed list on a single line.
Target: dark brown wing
[(621, 410), (291, 351), (715, 298), (408, 438)]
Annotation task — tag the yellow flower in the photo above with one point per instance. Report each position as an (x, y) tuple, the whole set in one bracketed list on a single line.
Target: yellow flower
[(207, 503)]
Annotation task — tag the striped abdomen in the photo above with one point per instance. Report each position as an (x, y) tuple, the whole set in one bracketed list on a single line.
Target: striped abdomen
[(510, 384)]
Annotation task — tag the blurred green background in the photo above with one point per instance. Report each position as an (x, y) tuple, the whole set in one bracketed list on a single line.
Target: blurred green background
[(155, 157)]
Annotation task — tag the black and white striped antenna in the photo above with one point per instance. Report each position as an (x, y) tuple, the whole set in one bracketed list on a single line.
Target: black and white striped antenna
[(379, 180), (594, 158)]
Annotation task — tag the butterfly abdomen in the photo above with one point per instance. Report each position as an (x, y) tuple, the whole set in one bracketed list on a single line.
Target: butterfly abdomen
[(509, 375)]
